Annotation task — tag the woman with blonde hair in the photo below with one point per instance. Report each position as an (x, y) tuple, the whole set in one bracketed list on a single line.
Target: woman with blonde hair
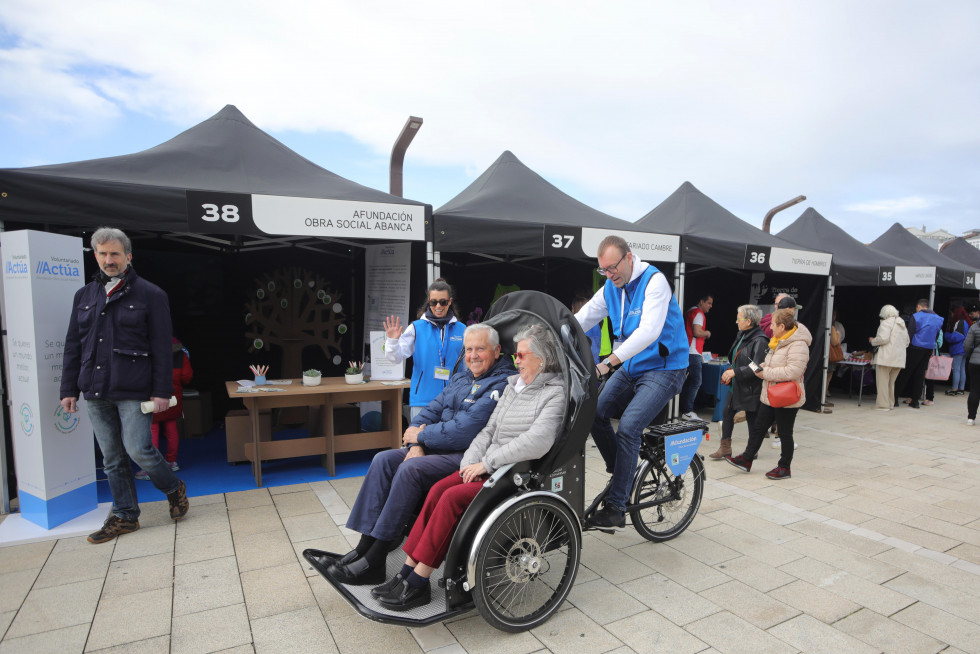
[(889, 359)]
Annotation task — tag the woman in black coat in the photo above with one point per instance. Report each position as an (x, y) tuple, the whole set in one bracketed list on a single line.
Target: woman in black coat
[(750, 346)]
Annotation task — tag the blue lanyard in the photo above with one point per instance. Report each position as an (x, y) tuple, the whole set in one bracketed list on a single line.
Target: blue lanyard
[(445, 345)]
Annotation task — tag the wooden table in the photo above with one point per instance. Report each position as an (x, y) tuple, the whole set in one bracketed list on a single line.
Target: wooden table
[(332, 390)]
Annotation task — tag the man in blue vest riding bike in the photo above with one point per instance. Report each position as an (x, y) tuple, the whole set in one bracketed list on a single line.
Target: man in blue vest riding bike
[(648, 364)]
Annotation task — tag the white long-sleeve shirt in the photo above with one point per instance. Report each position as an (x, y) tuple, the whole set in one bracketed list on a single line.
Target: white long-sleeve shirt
[(403, 347), (656, 302)]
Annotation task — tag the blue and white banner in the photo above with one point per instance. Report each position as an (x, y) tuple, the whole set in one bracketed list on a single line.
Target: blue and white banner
[(679, 449), (53, 450)]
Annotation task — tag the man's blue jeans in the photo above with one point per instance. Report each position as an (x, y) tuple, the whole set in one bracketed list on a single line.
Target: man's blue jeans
[(693, 383), (393, 489), (123, 431), (640, 399)]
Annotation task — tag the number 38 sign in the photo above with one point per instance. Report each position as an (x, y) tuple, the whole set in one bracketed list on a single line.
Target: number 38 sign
[(220, 213)]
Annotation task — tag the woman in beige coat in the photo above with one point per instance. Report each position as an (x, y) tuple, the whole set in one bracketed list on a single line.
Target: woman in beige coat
[(892, 339), (789, 352)]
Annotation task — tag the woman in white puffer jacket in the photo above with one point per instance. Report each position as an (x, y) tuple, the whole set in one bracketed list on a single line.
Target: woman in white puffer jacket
[(892, 339)]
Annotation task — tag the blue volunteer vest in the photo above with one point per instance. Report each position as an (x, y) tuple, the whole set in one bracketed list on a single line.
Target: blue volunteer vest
[(927, 326), (431, 351), (669, 352)]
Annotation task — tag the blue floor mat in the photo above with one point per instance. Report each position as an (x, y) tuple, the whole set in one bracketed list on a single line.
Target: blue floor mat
[(206, 471)]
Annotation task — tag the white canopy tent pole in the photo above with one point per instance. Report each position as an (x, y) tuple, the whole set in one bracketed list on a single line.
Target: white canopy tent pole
[(826, 345), (679, 271), (4, 494)]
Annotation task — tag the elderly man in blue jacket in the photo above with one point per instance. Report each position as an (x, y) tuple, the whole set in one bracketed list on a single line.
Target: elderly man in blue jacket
[(434, 444), (118, 353)]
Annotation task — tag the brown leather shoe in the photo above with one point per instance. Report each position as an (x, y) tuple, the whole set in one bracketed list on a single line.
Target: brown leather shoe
[(724, 449), (114, 526), (178, 502)]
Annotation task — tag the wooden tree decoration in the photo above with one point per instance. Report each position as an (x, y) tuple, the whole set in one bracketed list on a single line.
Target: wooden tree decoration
[(294, 308)]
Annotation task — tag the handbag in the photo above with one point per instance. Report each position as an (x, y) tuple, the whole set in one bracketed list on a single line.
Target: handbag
[(939, 367), (836, 354), (782, 394)]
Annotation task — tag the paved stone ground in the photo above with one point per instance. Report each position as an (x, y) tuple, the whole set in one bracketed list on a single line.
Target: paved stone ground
[(872, 546)]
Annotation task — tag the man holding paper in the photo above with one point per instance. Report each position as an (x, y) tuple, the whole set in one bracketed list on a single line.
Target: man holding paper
[(118, 353)]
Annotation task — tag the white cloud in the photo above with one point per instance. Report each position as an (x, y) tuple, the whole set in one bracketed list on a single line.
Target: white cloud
[(616, 103), (892, 207)]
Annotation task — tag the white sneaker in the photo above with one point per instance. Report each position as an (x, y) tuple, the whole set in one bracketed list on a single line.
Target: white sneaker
[(776, 444), (690, 415), (970, 422)]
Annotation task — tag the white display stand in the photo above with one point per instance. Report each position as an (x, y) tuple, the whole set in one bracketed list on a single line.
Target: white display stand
[(54, 452), (381, 368)]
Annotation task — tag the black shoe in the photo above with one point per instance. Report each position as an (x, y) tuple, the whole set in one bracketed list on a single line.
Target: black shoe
[(387, 586), (350, 557), (405, 598), (606, 519), (357, 573)]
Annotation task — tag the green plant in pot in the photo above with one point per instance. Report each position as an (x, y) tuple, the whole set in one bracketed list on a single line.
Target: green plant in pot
[(354, 373), (311, 377)]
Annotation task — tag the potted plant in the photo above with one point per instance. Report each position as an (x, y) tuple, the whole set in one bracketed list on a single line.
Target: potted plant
[(311, 377), (354, 373)]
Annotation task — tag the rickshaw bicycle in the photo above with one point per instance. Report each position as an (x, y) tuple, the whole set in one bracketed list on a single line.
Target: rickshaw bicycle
[(515, 553)]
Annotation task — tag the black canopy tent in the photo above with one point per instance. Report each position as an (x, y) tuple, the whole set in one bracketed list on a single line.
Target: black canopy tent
[(856, 268), (511, 214), (148, 191), (960, 251), (712, 237), (949, 273)]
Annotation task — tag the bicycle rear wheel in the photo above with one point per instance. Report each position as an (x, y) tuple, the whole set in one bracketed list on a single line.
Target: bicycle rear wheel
[(655, 481)]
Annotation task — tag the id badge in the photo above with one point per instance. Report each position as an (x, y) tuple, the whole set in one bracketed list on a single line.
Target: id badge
[(442, 373)]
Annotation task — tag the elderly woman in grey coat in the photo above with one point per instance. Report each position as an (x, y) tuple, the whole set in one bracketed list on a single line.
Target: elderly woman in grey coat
[(891, 339), (973, 368), (523, 427)]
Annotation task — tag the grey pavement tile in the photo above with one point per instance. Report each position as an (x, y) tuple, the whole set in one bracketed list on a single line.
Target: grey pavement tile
[(310, 526), (263, 550), (911, 534), (241, 649), (127, 618), (942, 597), (967, 552), (822, 604), (68, 544), (132, 576), (208, 519), (157, 514), (744, 518), (604, 602), (754, 573), (332, 604), (279, 589), (926, 567), (210, 631), (843, 513), (206, 585), (705, 550), (303, 632), (46, 609), (808, 634), (927, 509), (670, 599), (651, 633), (684, 570), (880, 511), (819, 492), (355, 634), (74, 565), (434, 637), (572, 631), (347, 488), (964, 534), (190, 549), (861, 566), (15, 587), (621, 539), (731, 634), (455, 648), (203, 500), (887, 635), (336, 544), (779, 491), (613, 564), (254, 520), (476, 636), (158, 645), (301, 503), (761, 610), (5, 619), (291, 488), (145, 542), (851, 540), (746, 544), (24, 557), (248, 499), (856, 589), (59, 641)]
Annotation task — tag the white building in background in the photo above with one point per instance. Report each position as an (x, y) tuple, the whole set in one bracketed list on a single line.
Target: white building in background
[(936, 238)]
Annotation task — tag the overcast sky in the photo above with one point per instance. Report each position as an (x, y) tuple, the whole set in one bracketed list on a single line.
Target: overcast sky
[(870, 109)]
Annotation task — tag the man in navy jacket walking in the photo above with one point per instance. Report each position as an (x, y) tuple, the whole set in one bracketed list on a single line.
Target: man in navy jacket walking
[(434, 444), (117, 352)]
